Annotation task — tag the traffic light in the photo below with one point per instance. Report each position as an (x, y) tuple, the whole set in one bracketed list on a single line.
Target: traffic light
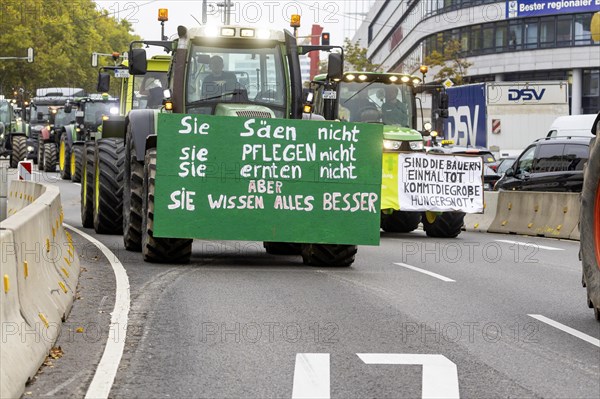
[(325, 38)]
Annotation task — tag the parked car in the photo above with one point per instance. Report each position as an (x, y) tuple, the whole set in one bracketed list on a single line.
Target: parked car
[(502, 165), (548, 164), (490, 177)]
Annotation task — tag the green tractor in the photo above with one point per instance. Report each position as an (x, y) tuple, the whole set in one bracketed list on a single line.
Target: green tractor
[(223, 71), (390, 99), (103, 155), (90, 112), (13, 132)]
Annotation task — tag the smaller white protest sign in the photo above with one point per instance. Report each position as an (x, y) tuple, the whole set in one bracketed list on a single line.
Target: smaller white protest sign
[(442, 183)]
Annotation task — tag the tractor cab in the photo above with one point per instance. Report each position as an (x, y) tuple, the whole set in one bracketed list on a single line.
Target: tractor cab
[(374, 97)]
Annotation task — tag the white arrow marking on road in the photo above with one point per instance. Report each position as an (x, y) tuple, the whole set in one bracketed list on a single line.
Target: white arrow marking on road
[(432, 274), (311, 376), (113, 351), (440, 376), (530, 244), (566, 329)]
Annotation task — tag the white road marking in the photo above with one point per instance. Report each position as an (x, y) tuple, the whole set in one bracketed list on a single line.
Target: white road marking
[(109, 364), (432, 274), (566, 329), (311, 376), (440, 375), (530, 244)]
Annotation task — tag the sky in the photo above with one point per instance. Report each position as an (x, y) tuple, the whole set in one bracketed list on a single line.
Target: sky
[(332, 15)]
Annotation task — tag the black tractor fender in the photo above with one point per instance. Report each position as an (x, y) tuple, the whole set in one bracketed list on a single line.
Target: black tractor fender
[(141, 125)]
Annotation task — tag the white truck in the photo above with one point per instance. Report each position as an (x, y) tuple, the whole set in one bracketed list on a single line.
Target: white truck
[(504, 116)]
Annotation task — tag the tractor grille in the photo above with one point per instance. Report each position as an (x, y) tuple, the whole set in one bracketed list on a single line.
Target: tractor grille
[(253, 114)]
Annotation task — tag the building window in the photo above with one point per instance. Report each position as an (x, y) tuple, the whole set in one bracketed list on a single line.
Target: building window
[(515, 39), (488, 39), (475, 46), (501, 36), (583, 36), (564, 25), (547, 32), (531, 33)]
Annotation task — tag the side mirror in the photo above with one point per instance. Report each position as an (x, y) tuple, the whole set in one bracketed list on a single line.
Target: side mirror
[(510, 172), (68, 108), (40, 116), (335, 66), (103, 82), (138, 64)]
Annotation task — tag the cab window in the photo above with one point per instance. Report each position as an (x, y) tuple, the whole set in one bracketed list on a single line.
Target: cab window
[(575, 156), (549, 158), (525, 163)]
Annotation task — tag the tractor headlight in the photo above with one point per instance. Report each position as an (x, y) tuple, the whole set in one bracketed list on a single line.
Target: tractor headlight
[(391, 144), (114, 111), (416, 145), (29, 148)]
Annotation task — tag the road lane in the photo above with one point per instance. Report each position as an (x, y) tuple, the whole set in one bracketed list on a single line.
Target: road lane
[(194, 328)]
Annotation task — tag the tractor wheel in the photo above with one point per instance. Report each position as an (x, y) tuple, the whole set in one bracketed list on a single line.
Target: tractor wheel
[(132, 199), (400, 221), (108, 186), (155, 249), (589, 227), (75, 163), (19, 150), (64, 155), (50, 157), (446, 225), (282, 248), (328, 254), (87, 184)]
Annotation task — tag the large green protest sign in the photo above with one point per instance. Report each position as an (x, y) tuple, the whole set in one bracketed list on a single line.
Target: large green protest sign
[(268, 179)]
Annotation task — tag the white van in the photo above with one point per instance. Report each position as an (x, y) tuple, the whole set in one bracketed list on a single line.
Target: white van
[(572, 125)]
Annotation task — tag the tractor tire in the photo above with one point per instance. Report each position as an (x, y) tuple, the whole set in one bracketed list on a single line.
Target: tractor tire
[(283, 248), (589, 227), (87, 184), (64, 157), (76, 163), (19, 150), (50, 157), (446, 225), (400, 221), (132, 199), (328, 254), (108, 186), (155, 249), (40, 152)]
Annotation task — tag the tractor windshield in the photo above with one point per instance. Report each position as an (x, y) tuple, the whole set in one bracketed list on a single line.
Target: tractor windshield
[(242, 75), (5, 112), (94, 111), (148, 90), (390, 104), (61, 118)]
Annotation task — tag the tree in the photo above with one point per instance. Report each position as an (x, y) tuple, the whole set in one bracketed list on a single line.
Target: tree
[(355, 59), (63, 36), (452, 65)]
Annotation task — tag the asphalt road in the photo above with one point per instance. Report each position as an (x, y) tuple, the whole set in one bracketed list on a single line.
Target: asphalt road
[(238, 322)]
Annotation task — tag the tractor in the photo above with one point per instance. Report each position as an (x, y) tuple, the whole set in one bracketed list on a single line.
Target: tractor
[(90, 113), (228, 71), (389, 99), (103, 155)]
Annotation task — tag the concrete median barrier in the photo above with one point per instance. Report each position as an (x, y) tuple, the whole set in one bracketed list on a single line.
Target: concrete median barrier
[(482, 221), (42, 268), (542, 214), (3, 191)]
